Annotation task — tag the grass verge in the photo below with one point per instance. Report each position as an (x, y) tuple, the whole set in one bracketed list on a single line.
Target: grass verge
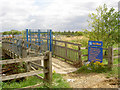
[(58, 82), (112, 73)]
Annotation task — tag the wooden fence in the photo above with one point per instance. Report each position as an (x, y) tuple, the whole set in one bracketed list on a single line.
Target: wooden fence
[(70, 52), (77, 56), (46, 68), (61, 49), (23, 52)]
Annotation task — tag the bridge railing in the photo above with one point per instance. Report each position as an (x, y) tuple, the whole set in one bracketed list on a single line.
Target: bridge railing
[(70, 52), (20, 48)]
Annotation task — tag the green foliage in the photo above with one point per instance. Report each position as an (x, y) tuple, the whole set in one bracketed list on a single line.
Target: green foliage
[(69, 33), (103, 25), (83, 42), (93, 67), (12, 32)]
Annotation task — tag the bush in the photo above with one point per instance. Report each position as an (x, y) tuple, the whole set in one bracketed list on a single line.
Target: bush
[(93, 67)]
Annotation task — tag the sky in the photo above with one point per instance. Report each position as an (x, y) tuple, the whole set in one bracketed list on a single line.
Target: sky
[(58, 15)]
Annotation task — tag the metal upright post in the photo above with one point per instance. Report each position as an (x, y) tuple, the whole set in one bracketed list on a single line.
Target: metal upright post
[(39, 37), (47, 39), (27, 36), (30, 35), (50, 40)]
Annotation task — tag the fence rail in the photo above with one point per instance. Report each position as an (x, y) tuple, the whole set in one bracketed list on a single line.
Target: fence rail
[(23, 49), (63, 50), (70, 55), (47, 67), (75, 56)]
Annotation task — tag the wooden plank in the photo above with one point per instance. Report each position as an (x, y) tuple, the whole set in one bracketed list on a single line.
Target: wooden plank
[(67, 42), (110, 58), (116, 56), (105, 48), (31, 87), (15, 76), (37, 65), (64, 57), (84, 47), (105, 56), (38, 75), (21, 60), (72, 49), (67, 48), (79, 56), (60, 46), (48, 65), (85, 55)]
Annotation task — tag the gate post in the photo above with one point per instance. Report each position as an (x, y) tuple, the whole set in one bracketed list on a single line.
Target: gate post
[(39, 37), (50, 40), (47, 40), (110, 58), (27, 36), (48, 66), (79, 56)]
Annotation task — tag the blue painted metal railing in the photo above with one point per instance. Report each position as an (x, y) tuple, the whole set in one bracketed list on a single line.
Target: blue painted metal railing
[(37, 37)]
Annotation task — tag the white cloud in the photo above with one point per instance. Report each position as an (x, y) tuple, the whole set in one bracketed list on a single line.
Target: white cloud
[(54, 14)]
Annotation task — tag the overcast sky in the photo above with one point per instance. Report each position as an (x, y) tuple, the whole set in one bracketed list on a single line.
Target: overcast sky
[(48, 14)]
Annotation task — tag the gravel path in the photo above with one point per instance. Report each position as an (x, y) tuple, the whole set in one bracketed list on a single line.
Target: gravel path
[(91, 80), (82, 80)]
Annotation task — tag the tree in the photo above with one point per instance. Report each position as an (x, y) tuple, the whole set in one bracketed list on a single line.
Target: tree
[(12, 32), (104, 26)]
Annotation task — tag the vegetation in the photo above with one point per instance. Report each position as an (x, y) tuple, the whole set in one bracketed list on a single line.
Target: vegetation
[(69, 33), (58, 82), (104, 26), (12, 32), (98, 68)]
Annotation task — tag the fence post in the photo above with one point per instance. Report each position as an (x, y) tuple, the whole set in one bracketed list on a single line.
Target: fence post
[(110, 58), (51, 40), (65, 50), (27, 36), (79, 56), (48, 66), (54, 48), (47, 40), (27, 63)]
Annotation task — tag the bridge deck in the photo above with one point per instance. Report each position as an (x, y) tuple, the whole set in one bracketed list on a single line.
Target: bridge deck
[(62, 67)]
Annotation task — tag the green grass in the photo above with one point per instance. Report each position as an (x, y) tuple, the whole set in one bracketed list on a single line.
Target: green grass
[(113, 72), (108, 73), (58, 82), (84, 69)]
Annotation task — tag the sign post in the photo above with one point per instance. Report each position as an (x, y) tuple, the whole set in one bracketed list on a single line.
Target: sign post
[(95, 51)]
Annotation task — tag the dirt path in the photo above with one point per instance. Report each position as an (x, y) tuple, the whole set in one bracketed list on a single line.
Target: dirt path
[(91, 80), (82, 80)]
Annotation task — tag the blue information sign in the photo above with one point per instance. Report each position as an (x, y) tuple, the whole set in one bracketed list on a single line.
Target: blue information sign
[(95, 51)]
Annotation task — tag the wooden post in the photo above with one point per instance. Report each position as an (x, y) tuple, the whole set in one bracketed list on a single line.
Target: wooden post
[(48, 66), (110, 58), (24, 51), (27, 63), (79, 56), (54, 48), (38, 51), (65, 50)]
